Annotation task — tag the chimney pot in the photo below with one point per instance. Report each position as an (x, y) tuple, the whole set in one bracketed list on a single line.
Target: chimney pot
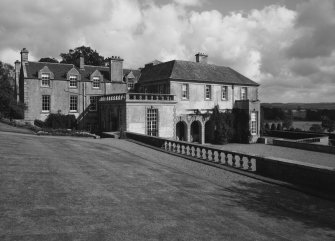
[(201, 58), (24, 55)]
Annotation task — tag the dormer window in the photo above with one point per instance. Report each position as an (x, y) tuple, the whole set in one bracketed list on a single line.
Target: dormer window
[(73, 81), (96, 82), (45, 80)]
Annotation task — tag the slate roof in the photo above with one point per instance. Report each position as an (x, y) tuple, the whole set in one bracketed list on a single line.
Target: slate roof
[(192, 71), (60, 70)]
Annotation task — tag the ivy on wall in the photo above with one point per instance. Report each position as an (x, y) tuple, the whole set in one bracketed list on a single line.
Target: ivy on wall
[(228, 127)]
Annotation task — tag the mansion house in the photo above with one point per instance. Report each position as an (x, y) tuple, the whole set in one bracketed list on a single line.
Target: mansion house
[(166, 99)]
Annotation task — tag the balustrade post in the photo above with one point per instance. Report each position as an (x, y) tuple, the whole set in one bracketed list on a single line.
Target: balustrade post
[(226, 158), (249, 164), (220, 157), (234, 160), (241, 162)]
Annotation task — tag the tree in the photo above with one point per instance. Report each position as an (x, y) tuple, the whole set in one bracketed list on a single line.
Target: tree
[(48, 60), (92, 57), (316, 128), (328, 124), (9, 107)]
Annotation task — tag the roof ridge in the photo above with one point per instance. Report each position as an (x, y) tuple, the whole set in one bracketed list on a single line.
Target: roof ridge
[(37, 62)]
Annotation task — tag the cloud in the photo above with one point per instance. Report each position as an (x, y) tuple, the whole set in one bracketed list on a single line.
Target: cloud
[(289, 52), (189, 2), (316, 30)]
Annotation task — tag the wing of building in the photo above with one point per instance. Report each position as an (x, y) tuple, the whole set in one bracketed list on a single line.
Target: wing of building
[(174, 98), (69, 89)]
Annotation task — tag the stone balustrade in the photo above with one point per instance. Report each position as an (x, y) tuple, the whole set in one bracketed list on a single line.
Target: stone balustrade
[(137, 97), (223, 157)]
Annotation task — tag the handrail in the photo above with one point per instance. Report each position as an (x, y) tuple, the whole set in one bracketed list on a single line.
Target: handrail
[(233, 159), (137, 97)]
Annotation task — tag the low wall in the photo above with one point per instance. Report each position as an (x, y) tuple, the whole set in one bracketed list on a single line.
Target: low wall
[(302, 174), (294, 135), (316, 177), (304, 146)]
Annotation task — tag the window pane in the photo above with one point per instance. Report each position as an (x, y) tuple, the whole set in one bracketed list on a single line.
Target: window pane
[(93, 103), (184, 90), (208, 92), (45, 79), (45, 102), (152, 122), (96, 82), (73, 103)]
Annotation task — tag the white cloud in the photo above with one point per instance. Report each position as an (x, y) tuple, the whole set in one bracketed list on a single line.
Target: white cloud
[(290, 53)]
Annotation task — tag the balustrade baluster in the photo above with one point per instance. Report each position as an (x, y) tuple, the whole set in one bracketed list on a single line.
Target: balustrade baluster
[(206, 154), (249, 164), (226, 159), (220, 157), (234, 159), (187, 150), (241, 162)]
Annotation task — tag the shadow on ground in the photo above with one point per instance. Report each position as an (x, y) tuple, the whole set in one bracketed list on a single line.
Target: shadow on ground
[(284, 204)]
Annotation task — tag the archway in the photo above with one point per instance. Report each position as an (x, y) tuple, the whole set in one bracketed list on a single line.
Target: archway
[(209, 132), (181, 131), (267, 127), (196, 131), (273, 127)]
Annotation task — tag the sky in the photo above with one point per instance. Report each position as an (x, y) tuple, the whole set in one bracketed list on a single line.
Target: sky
[(287, 46)]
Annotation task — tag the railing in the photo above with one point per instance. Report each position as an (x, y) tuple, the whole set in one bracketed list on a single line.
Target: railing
[(309, 140), (113, 97), (137, 97), (275, 168), (228, 158), (147, 96)]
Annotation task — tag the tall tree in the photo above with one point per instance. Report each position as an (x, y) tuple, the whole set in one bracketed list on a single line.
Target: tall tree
[(92, 57), (48, 60), (9, 107)]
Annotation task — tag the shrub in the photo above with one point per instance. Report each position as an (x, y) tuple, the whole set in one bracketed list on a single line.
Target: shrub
[(230, 126), (60, 121), (39, 123)]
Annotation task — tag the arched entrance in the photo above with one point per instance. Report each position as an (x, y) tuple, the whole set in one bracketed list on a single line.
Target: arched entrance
[(209, 132), (181, 131), (196, 131)]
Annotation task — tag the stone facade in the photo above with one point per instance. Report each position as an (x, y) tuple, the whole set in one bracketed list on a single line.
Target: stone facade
[(194, 93), (91, 83)]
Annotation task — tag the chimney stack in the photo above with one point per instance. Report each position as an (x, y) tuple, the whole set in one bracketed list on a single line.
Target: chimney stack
[(116, 69), (24, 56), (201, 58), (81, 61)]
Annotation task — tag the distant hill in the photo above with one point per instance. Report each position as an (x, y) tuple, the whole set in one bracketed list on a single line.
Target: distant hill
[(294, 106)]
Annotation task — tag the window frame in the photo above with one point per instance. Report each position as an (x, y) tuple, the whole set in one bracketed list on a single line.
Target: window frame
[(73, 97), (224, 90), (253, 123), (244, 97), (152, 121), (71, 81), (45, 79), (187, 92), (96, 80), (48, 104), (210, 92), (130, 85), (95, 103)]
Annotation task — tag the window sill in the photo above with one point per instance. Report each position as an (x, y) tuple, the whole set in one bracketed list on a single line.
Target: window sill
[(73, 111), (45, 86), (45, 111)]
